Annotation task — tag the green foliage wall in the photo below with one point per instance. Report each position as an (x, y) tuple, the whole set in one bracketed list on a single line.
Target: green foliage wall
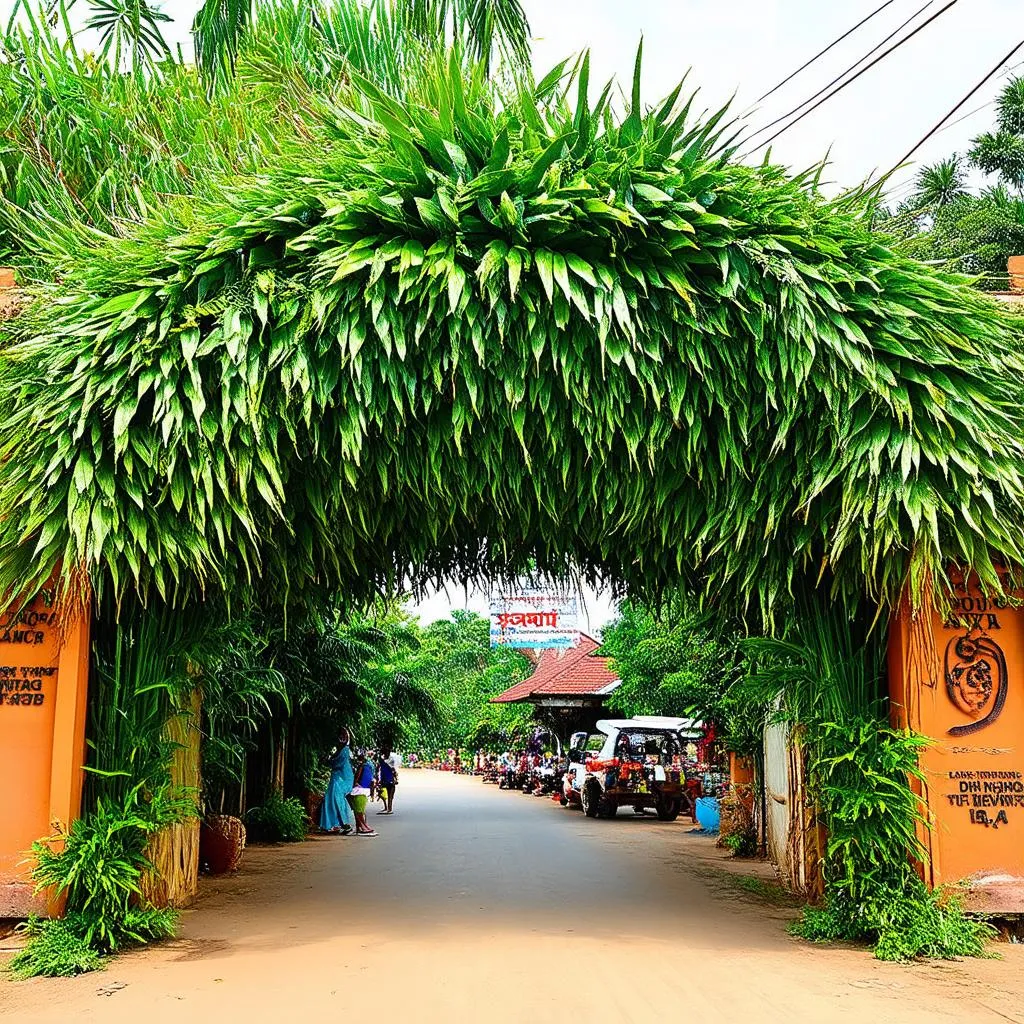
[(476, 328)]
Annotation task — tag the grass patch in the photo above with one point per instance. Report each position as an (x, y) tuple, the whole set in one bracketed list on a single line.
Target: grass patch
[(763, 890)]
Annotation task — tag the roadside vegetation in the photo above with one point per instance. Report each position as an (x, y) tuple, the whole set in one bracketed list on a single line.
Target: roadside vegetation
[(826, 679)]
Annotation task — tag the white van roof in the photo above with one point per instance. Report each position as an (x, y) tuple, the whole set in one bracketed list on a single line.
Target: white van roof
[(691, 728)]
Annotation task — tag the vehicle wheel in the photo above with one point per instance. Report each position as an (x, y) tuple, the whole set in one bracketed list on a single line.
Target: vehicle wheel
[(563, 801), (591, 798), (667, 809), (607, 808)]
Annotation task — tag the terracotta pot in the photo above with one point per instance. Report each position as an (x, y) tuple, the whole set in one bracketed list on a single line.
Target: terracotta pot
[(221, 842)]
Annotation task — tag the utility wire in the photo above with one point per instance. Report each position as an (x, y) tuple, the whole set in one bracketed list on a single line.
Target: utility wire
[(970, 113), (864, 70), (984, 106), (842, 75), (962, 103), (905, 188), (821, 53)]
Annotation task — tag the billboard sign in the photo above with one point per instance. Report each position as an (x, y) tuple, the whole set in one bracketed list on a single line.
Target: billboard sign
[(536, 619)]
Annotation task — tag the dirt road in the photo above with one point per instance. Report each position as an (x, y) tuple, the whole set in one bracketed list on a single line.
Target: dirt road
[(475, 905)]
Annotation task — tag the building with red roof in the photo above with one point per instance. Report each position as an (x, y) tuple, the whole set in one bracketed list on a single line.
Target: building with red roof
[(568, 687)]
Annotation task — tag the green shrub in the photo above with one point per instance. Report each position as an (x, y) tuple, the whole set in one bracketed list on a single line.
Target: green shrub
[(861, 776), (742, 843), (56, 949), (829, 678), (101, 864), (99, 869), (279, 820), (148, 924), (68, 946), (901, 924)]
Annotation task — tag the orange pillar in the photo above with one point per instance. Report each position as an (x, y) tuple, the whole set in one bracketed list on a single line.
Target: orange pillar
[(44, 670), (958, 679), (741, 778)]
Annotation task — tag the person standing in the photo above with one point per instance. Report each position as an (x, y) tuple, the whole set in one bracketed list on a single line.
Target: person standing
[(359, 797), (387, 780), (335, 813)]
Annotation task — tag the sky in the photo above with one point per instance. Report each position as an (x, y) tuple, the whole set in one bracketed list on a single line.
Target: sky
[(744, 48)]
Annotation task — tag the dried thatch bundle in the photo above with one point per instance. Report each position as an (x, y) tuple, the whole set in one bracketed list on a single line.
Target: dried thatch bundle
[(174, 851)]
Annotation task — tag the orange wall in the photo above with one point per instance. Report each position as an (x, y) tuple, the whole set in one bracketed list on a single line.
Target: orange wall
[(959, 679), (43, 681)]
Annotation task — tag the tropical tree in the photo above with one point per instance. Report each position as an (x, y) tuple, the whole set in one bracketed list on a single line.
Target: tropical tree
[(945, 222), (1001, 152), (129, 28), (489, 29), (682, 661), (940, 184), (456, 664), (334, 675), (974, 234)]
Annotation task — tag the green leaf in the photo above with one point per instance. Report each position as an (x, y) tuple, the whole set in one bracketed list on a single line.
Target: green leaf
[(544, 261)]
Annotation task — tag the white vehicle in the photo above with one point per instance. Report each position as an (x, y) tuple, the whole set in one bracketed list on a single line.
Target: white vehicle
[(633, 762)]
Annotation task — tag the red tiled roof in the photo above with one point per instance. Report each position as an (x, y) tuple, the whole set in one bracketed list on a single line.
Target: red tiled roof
[(576, 672)]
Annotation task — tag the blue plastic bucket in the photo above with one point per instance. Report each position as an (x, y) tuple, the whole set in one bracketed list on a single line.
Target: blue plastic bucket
[(707, 813)]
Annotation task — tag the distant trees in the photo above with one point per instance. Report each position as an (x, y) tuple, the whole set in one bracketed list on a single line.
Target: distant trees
[(275, 695), (678, 661), (457, 666), (944, 221)]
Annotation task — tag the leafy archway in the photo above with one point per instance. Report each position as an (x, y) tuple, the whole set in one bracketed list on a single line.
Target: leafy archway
[(472, 326)]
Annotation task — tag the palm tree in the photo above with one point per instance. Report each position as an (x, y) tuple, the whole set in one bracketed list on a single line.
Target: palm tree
[(132, 28), (939, 184), (1001, 152), (490, 29)]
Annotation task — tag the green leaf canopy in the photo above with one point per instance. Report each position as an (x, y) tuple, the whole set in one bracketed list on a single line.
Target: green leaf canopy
[(478, 326)]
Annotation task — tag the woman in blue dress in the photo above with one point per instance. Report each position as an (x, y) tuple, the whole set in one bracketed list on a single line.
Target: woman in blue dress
[(336, 814)]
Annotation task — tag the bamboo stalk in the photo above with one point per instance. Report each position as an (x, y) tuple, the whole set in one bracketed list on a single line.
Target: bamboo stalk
[(174, 851)]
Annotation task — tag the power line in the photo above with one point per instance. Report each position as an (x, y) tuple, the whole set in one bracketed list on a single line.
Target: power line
[(843, 74), (984, 106), (962, 103), (864, 70), (970, 113), (821, 53), (905, 188)]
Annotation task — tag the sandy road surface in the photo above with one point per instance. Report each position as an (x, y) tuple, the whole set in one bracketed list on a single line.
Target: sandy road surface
[(475, 905)]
